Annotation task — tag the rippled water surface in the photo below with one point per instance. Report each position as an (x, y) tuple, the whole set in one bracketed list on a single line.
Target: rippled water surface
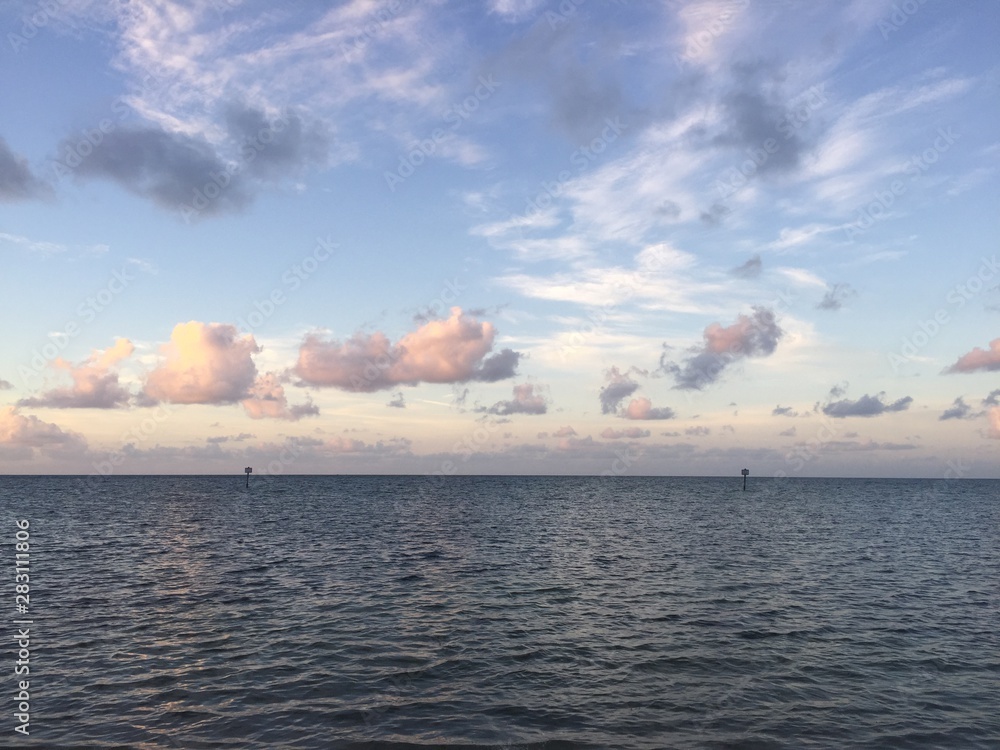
[(559, 612)]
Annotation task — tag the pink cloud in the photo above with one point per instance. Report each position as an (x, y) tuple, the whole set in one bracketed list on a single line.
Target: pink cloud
[(756, 335), (204, 363), (441, 351), (979, 359), (95, 386), (525, 401), (267, 400), (629, 432), (22, 435), (562, 432), (642, 408), (993, 414)]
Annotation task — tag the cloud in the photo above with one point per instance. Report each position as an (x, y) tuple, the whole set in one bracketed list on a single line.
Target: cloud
[(525, 401), (752, 113), (979, 359), (801, 276), (17, 182), (171, 169), (499, 366), (618, 387), (993, 399), (715, 215), (277, 148), (790, 432), (95, 386), (866, 406), (629, 432), (783, 411), (514, 10), (852, 446), (755, 335), (642, 408), (21, 436), (398, 402), (838, 390), (749, 270), (563, 432), (441, 351), (267, 400), (204, 363), (4, 385), (698, 431), (231, 438), (835, 297), (958, 410), (577, 73), (993, 415)]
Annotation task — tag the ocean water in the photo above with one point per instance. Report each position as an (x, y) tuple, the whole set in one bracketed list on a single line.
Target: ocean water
[(514, 612)]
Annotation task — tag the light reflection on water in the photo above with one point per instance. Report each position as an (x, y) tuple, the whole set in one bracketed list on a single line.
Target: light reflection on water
[(543, 612)]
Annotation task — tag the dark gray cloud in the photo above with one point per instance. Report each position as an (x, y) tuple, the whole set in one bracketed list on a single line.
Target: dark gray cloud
[(958, 410), (297, 411), (398, 402), (188, 174), (578, 70), (756, 110), (632, 433), (838, 390), (784, 411), (231, 438), (276, 148), (754, 335), (749, 270), (619, 387), (835, 297), (713, 216), (853, 446), (698, 431), (866, 406), (17, 182), (993, 399), (525, 401), (668, 209), (173, 170), (499, 366)]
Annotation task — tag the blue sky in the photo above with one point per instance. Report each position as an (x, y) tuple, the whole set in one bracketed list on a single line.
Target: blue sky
[(517, 236)]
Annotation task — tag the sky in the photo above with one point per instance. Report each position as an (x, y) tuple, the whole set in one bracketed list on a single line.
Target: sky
[(602, 237)]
